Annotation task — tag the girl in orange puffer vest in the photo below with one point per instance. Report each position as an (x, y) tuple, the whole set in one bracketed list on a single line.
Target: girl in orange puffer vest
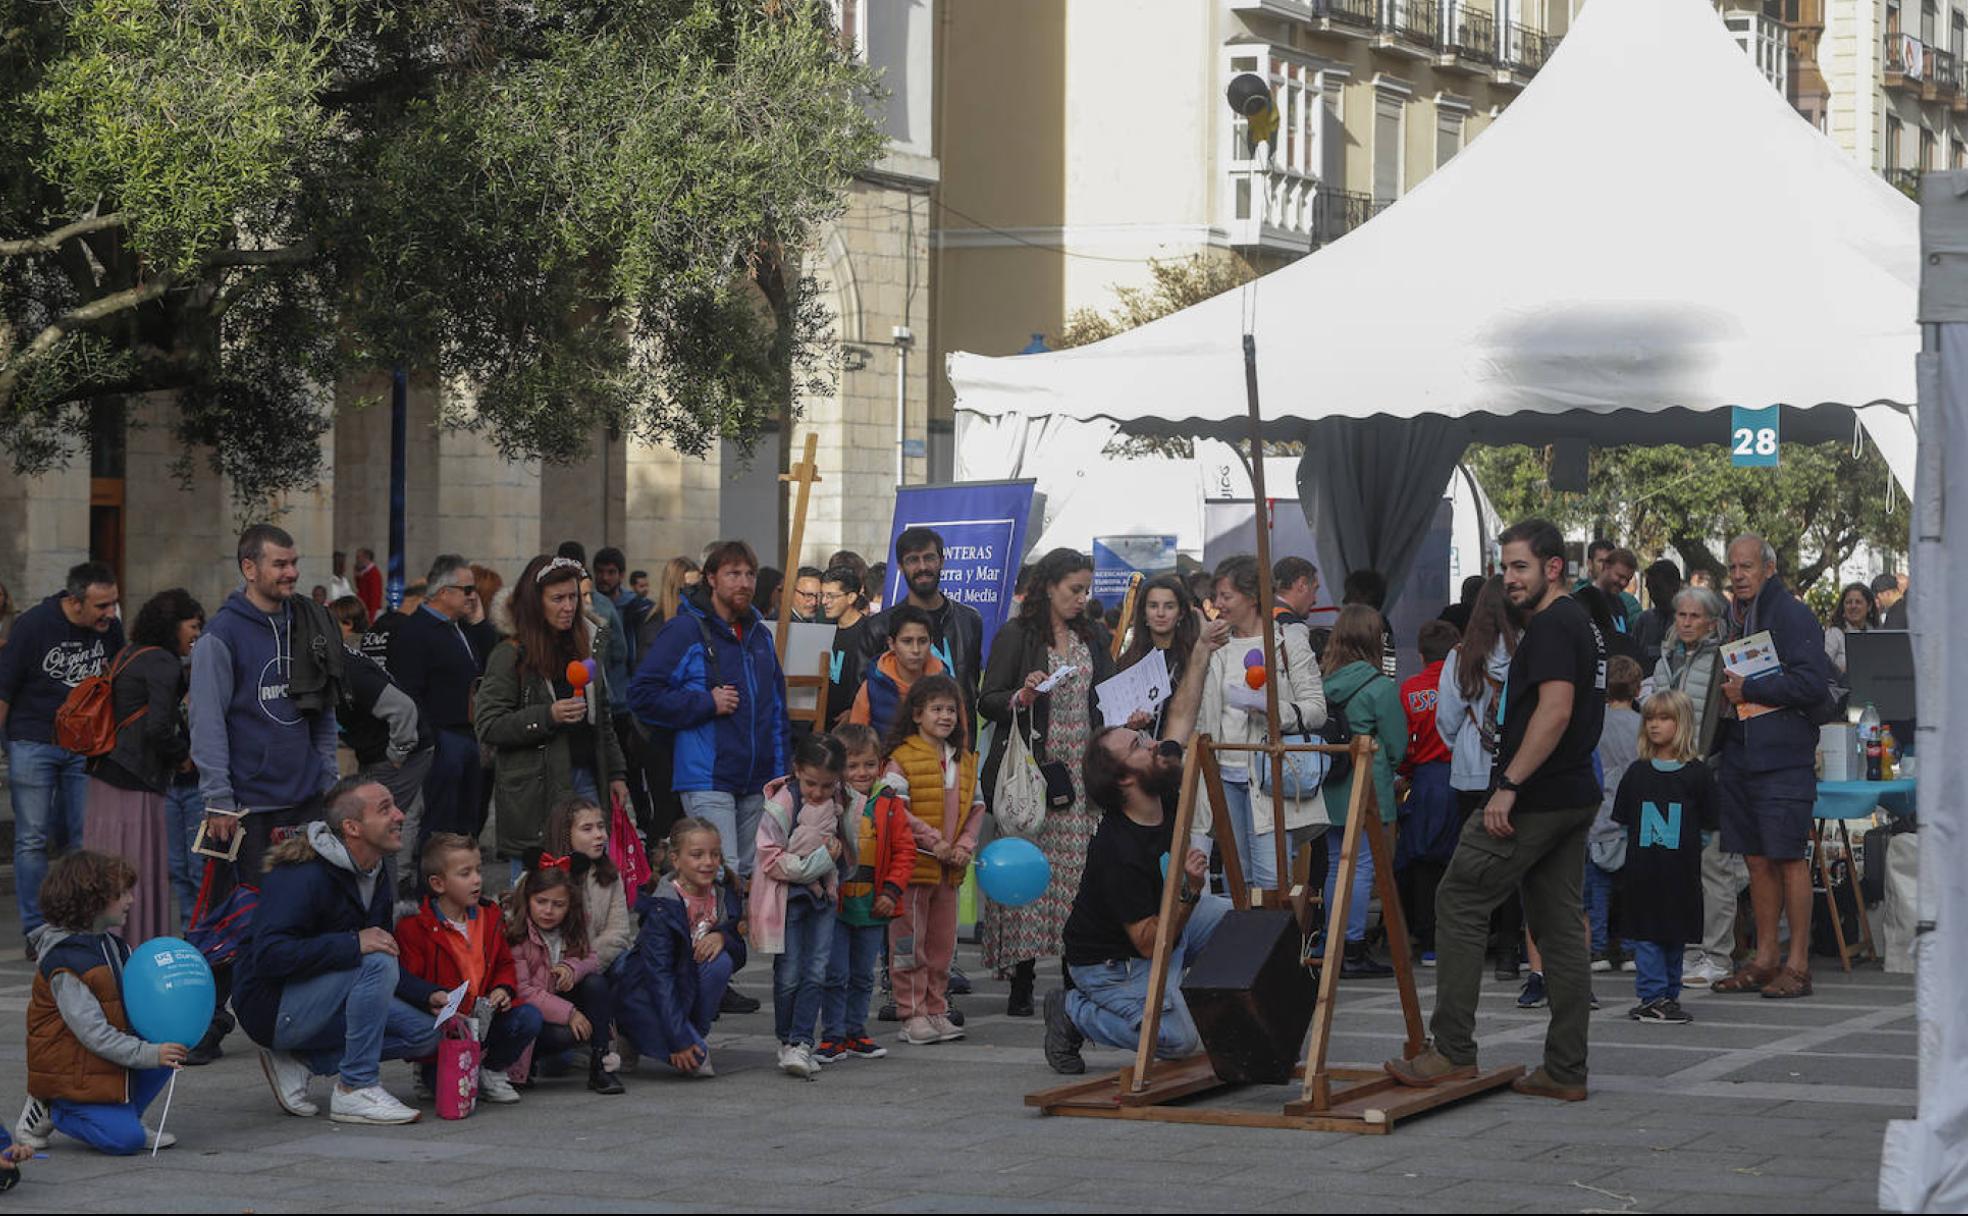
[(929, 766)]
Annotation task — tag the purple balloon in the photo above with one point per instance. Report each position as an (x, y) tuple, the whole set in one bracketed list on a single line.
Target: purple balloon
[(1255, 657), (590, 665)]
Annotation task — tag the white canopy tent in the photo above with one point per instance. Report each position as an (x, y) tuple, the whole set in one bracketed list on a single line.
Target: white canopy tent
[(1610, 262)]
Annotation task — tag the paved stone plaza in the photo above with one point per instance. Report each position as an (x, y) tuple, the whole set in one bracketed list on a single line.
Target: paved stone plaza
[(1758, 1106)]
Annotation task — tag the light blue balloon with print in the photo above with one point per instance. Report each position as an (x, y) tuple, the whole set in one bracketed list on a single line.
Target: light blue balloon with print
[(168, 991), (1013, 871)]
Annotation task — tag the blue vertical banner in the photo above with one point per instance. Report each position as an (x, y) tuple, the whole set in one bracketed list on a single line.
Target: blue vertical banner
[(982, 524), (1117, 559), (1753, 437)]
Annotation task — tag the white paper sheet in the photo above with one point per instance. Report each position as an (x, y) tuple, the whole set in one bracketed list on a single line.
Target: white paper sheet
[(1143, 687), (452, 1000)]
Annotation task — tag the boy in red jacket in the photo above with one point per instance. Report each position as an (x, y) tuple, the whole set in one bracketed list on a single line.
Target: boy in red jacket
[(458, 938), (875, 828), (1429, 823)]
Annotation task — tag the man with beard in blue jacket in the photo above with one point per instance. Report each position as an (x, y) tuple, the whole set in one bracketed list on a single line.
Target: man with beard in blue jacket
[(712, 677)]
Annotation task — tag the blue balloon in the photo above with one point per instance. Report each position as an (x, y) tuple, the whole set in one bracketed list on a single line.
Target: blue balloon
[(1013, 871), (1254, 657), (168, 991)]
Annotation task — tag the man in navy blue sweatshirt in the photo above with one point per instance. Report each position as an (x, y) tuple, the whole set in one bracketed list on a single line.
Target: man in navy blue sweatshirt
[(432, 660), (55, 645), (263, 762)]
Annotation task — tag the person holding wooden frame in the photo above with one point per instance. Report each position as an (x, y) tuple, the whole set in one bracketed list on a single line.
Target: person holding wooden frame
[(1110, 934)]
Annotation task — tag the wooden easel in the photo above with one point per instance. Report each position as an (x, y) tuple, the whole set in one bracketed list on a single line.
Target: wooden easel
[(1369, 1100), (803, 474)]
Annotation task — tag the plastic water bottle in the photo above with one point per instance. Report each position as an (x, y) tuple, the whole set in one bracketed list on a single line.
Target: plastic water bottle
[(1869, 728), (1889, 755)]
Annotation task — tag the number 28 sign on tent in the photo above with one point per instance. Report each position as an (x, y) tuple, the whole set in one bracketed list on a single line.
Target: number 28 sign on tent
[(1753, 437)]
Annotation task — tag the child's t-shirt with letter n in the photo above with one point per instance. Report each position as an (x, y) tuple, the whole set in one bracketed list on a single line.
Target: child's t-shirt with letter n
[(1665, 806)]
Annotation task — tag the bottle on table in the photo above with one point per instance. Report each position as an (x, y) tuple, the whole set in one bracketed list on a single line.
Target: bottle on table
[(1869, 728), (1889, 755)]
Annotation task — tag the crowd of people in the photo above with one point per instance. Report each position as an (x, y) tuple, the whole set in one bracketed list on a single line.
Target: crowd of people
[(300, 784)]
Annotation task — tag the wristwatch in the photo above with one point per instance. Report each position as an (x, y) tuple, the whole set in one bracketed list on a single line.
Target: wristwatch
[(1505, 783), (1184, 895)]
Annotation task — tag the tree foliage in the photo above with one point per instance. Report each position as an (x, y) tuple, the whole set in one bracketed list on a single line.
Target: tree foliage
[(580, 213), (1815, 508)]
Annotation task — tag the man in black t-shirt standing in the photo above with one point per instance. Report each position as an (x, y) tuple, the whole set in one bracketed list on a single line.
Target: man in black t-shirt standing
[(1531, 833), (1108, 937)]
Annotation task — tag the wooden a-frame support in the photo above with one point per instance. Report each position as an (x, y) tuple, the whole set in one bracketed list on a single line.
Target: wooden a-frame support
[(1370, 1100)]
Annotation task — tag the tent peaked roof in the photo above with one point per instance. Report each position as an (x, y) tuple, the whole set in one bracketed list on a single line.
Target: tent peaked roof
[(1650, 227)]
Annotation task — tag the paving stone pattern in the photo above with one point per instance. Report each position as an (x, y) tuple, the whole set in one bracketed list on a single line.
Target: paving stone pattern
[(1757, 1106)]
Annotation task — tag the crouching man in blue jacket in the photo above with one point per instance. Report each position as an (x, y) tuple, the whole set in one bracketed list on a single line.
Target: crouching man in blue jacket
[(318, 986)]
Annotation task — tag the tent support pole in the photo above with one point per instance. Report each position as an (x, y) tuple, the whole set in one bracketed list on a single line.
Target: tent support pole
[(1262, 505)]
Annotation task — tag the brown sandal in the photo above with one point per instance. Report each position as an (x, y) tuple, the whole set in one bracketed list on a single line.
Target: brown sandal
[(1746, 978), (1791, 983)]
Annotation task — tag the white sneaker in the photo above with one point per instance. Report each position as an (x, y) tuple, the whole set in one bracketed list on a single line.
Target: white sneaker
[(920, 1031), (795, 1060), (496, 1087), (1704, 973), (289, 1075), (36, 1125), (945, 1029), (372, 1104), (155, 1139)]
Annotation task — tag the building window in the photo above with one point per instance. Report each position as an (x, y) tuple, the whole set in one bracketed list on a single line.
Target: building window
[(1892, 18), (1892, 143), (1957, 33), (1957, 154), (1387, 148), (1929, 148), (1294, 90), (1929, 21), (1448, 136)]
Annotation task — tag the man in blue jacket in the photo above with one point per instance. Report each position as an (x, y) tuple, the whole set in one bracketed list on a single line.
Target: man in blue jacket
[(1768, 783), (712, 677), (319, 987)]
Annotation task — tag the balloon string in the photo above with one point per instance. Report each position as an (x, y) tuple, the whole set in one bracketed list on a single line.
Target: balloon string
[(168, 1091)]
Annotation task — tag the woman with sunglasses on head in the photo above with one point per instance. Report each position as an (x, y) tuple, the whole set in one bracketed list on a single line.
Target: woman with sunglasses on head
[(552, 734)]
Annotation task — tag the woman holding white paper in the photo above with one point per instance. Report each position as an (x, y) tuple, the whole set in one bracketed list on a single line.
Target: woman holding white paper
[(1045, 663), (1165, 619), (1233, 712)]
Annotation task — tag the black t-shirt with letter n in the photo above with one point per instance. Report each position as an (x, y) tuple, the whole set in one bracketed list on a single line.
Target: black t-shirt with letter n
[(1120, 885), (1562, 643)]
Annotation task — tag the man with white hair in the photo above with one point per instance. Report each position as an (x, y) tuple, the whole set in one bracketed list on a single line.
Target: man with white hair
[(1768, 782)]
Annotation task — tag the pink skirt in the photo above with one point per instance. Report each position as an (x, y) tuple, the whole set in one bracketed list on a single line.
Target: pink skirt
[(131, 824)]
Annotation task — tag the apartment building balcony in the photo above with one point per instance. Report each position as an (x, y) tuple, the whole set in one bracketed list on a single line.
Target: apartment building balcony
[(1358, 19), (1906, 181), (1943, 79), (1287, 211), (1338, 212), (1906, 64), (1411, 29), (1469, 42), (1521, 52)]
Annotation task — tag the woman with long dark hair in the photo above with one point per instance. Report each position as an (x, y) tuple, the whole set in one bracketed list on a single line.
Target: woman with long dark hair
[(1855, 612), (549, 739), (1051, 637), (1467, 719), (1165, 619), (127, 814)]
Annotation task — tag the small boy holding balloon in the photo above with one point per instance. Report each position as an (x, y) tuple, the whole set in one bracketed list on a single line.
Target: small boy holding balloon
[(88, 1074)]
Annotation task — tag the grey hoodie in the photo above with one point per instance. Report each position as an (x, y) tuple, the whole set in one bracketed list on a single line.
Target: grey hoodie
[(335, 853), (84, 1014)]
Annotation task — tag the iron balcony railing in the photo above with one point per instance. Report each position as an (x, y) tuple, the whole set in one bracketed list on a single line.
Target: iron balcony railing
[(1524, 49), (1362, 13), (1471, 34), (1416, 21), (1338, 212), (1906, 56)]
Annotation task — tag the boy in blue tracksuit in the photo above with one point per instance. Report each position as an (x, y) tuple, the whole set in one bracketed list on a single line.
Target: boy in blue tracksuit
[(712, 677)]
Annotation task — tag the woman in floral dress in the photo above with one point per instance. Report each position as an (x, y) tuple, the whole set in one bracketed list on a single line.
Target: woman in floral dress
[(1051, 631)]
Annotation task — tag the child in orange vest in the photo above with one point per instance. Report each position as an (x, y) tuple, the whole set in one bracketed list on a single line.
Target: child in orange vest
[(930, 769), (457, 937), (88, 1074)]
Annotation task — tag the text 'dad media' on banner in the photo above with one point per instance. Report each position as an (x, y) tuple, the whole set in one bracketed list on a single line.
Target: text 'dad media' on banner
[(983, 525)]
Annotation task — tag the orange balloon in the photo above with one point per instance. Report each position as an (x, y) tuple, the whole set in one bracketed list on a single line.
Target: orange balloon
[(577, 674), (1254, 676)]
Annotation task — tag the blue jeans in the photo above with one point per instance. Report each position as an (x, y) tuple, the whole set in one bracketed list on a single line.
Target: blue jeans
[(1257, 852), (50, 791), (800, 973), (850, 979), (184, 810), (349, 1022), (1657, 970), (1363, 882), (736, 819), (1109, 1000), (114, 1128), (1598, 904)]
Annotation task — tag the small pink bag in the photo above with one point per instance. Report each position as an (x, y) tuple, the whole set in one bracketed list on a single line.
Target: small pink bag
[(458, 1057)]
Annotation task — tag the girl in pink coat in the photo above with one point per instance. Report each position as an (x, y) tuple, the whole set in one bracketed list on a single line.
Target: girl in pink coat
[(559, 973)]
